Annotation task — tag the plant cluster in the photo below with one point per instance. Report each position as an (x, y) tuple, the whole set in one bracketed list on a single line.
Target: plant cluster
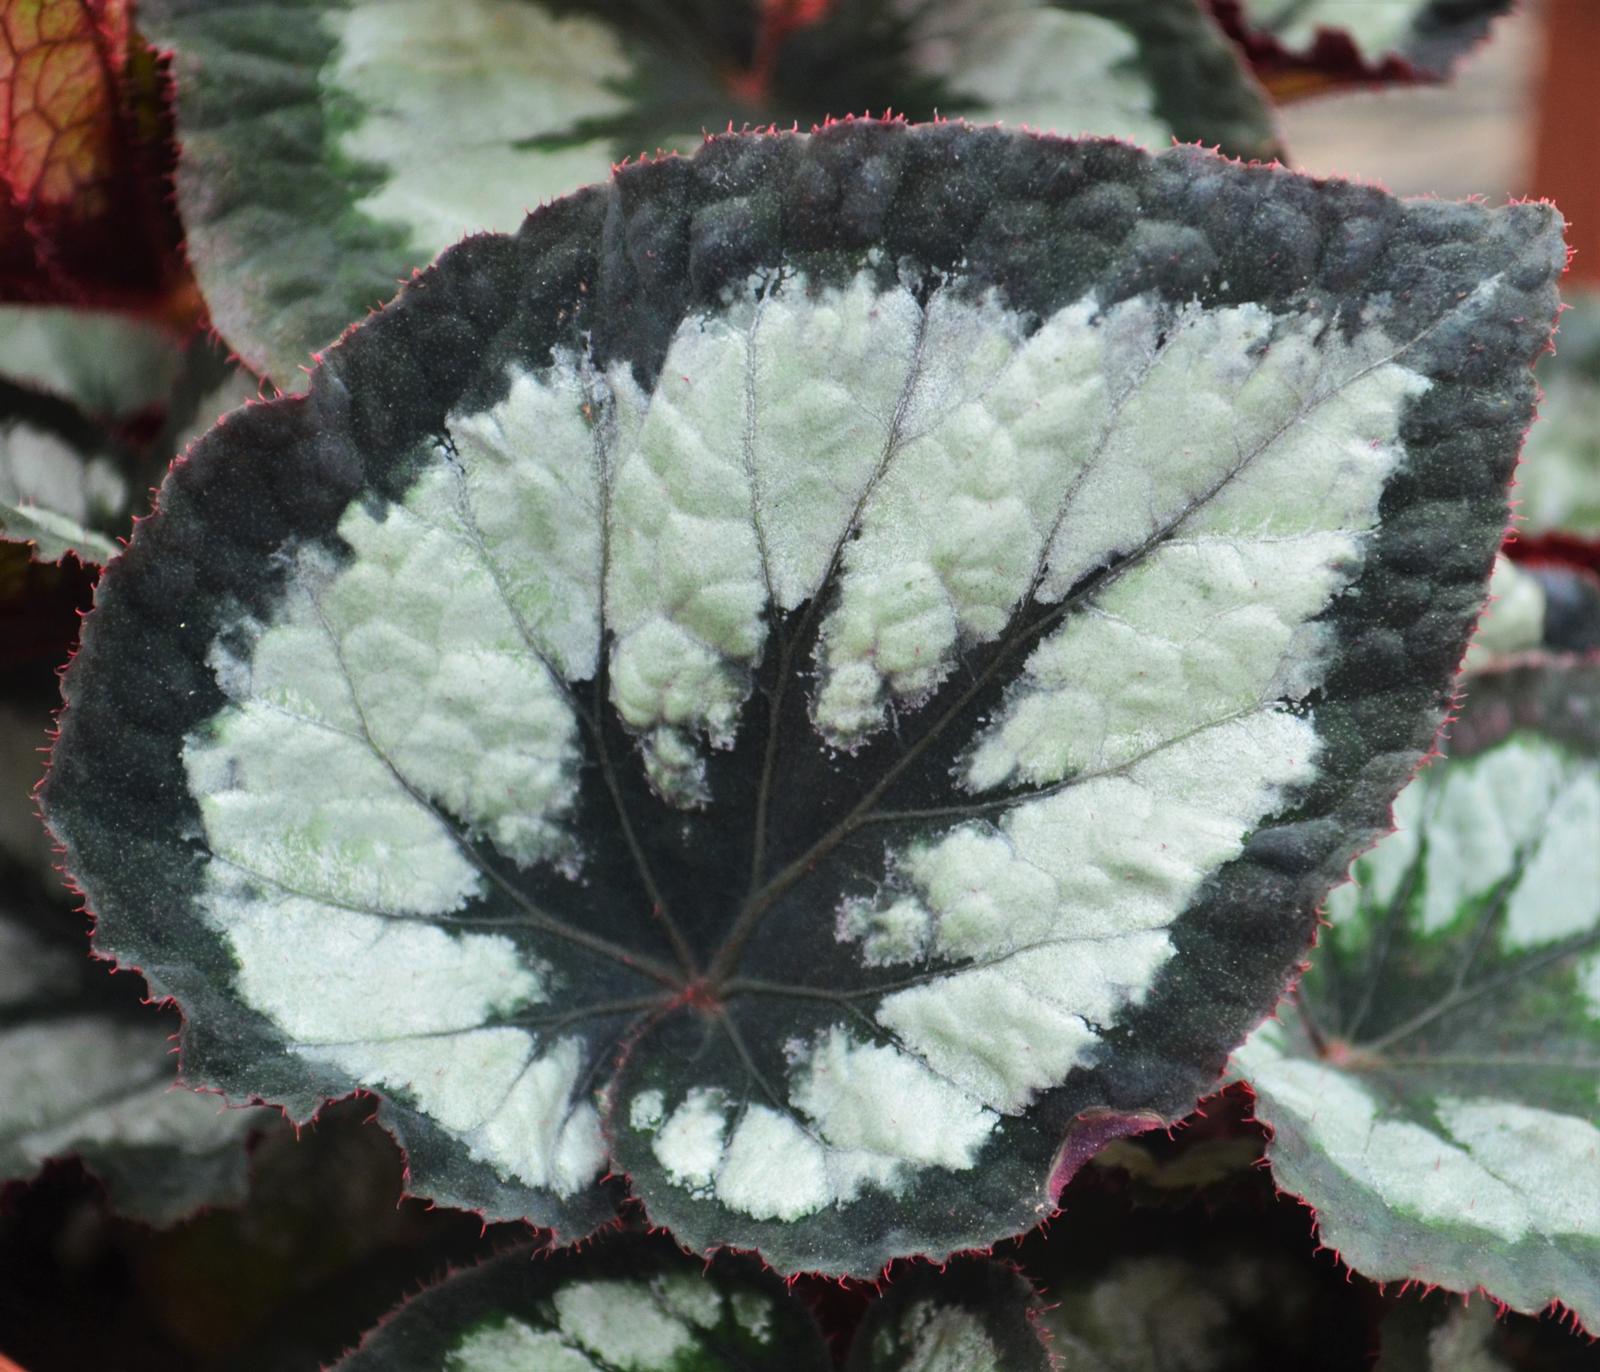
[(863, 741)]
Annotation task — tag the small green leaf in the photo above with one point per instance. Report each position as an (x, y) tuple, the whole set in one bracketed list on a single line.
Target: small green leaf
[(1182, 1312), (93, 407), (1433, 1087), (51, 494), (87, 1071), (1514, 621), (828, 677), (328, 147), (1442, 1334), (972, 1315), (1421, 38), (623, 1304), (1558, 480), (110, 366), (1539, 606)]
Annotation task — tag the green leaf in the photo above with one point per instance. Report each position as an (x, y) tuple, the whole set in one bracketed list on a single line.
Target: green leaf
[(51, 494), (93, 407), (1182, 1312), (110, 366), (1538, 606), (1514, 621), (622, 1305), (972, 1315), (87, 1071), (1558, 481), (330, 146), (1421, 39), (1439, 1335), (1432, 1089), (829, 678)]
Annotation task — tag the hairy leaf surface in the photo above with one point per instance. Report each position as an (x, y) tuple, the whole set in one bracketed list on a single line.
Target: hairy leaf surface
[(829, 677), (1433, 1088), (1415, 39), (622, 1303), (87, 1071), (330, 146)]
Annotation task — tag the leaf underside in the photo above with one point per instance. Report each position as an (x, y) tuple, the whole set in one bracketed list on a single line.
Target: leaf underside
[(622, 1303), (1433, 1089), (75, 209), (742, 685), (328, 147)]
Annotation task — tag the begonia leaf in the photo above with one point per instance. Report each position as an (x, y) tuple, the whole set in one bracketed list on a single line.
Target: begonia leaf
[(328, 147), (620, 1304), (829, 677), (1433, 1087)]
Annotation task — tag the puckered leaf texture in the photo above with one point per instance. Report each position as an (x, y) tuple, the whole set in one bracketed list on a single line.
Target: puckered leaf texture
[(1432, 1089), (330, 146), (827, 677)]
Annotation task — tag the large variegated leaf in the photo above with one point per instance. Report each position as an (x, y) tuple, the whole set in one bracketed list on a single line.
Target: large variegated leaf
[(330, 146), (621, 1304), (1416, 39), (829, 677), (88, 1072), (1558, 481), (1433, 1088)]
